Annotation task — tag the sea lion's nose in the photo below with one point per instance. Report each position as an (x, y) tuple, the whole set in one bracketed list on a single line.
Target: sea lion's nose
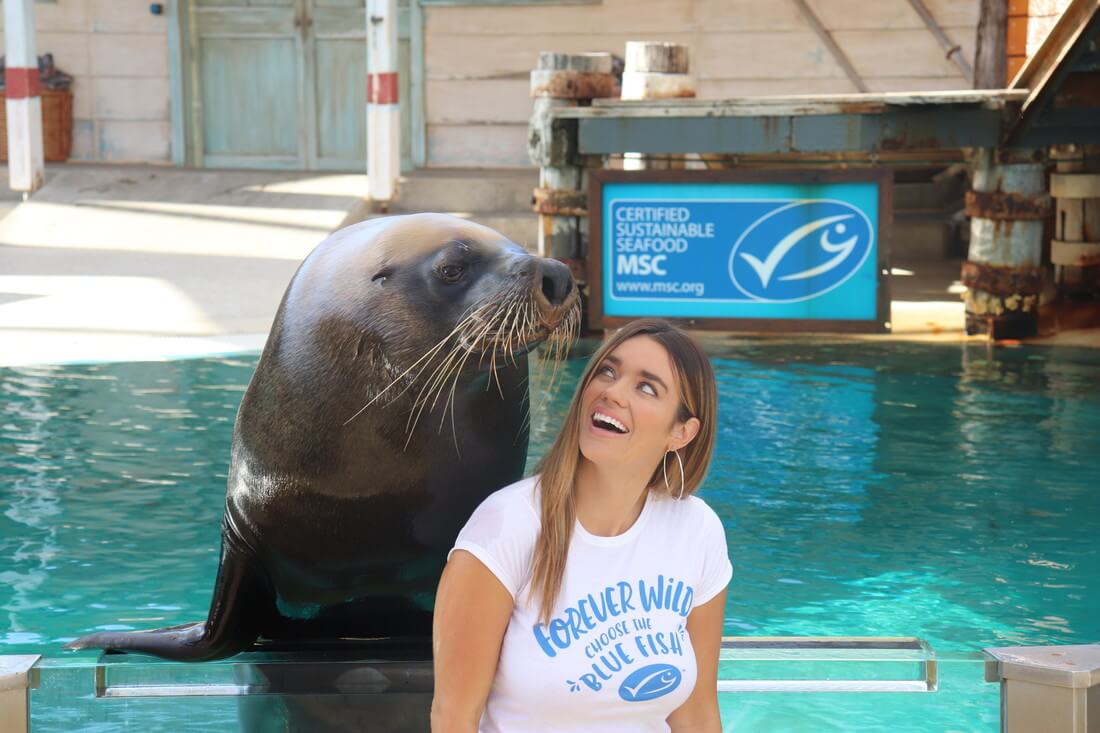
[(557, 281)]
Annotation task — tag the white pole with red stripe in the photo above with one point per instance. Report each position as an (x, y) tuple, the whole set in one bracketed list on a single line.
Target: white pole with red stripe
[(21, 93), (383, 109)]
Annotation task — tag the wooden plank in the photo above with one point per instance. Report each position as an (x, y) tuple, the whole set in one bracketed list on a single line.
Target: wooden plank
[(134, 98), (251, 22), (745, 16), (764, 55), (825, 37), (270, 95), (630, 17), (903, 53), (67, 15), (478, 146), (955, 14), (492, 100), (838, 15), (867, 15), (734, 88), (127, 54), (340, 22), (341, 98), (913, 83)]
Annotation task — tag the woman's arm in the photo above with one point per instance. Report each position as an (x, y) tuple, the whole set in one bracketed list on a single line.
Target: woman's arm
[(699, 713), (472, 609)]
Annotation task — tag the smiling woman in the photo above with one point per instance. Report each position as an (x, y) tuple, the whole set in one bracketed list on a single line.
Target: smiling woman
[(591, 595)]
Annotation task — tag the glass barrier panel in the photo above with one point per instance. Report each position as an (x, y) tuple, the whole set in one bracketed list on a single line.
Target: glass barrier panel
[(827, 685), (853, 685)]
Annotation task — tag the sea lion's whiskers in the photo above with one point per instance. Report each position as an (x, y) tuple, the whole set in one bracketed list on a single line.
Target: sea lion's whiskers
[(507, 312), (453, 364), (437, 378), (427, 355), (555, 349), (438, 374), (520, 332), (431, 352), (457, 371), (510, 325)]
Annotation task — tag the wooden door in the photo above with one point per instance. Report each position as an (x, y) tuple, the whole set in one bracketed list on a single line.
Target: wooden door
[(282, 83), (336, 62), (248, 83)]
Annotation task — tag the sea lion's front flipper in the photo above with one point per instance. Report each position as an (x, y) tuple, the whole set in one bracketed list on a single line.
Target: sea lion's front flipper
[(242, 597)]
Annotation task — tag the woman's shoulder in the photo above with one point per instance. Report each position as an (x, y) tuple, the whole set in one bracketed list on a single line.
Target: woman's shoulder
[(519, 500), (502, 532), (693, 507)]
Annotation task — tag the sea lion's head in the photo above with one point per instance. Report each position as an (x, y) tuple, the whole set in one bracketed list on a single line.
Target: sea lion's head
[(425, 298)]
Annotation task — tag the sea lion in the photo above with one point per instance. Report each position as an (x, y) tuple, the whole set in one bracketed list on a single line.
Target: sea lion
[(389, 401)]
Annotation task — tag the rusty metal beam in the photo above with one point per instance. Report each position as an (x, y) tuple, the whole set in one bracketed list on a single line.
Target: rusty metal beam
[(1003, 205), (895, 130), (800, 104)]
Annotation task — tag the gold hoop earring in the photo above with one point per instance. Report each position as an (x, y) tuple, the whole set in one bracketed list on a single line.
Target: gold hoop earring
[(683, 476), (664, 469)]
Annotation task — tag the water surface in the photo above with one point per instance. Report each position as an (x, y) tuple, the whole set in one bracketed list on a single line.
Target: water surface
[(943, 492)]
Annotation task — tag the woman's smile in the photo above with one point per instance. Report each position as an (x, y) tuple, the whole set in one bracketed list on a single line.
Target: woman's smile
[(630, 406)]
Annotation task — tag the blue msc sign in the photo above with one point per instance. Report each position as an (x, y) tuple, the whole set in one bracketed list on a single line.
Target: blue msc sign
[(747, 250)]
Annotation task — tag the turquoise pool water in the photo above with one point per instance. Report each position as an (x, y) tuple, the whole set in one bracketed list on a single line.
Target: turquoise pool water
[(944, 492)]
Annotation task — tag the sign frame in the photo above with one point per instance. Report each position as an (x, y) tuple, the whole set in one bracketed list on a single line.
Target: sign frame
[(884, 177)]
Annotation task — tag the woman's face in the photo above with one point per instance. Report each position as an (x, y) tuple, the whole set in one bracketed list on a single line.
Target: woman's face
[(629, 409)]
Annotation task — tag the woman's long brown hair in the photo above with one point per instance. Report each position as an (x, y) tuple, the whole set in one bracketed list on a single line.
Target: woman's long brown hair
[(558, 468)]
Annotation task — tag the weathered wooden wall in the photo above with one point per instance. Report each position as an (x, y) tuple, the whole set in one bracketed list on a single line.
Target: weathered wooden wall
[(117, 53), (477, 58)]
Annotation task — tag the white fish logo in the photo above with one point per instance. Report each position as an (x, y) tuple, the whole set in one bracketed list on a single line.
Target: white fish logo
[(765, 253), (650, 682)]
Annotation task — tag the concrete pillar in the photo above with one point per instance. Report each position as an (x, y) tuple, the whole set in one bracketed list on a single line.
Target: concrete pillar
[(383, 108), (1008, 206), (1075, 248), (15, 711), (656, 71), (26, 166), (1048, 689)]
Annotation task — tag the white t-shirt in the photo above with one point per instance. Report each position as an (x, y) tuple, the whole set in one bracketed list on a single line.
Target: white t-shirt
[(616, 655)]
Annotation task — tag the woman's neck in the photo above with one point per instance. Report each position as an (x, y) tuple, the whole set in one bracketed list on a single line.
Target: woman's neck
[(608, 502)]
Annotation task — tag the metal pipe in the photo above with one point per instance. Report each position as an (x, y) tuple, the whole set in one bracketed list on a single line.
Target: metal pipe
[(954, 51), (827, 38)]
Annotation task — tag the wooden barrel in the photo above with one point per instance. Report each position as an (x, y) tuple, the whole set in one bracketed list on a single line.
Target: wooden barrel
[(656, 71)]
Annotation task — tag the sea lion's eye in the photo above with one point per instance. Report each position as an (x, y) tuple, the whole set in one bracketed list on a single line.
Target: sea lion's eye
[(451, 273)]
